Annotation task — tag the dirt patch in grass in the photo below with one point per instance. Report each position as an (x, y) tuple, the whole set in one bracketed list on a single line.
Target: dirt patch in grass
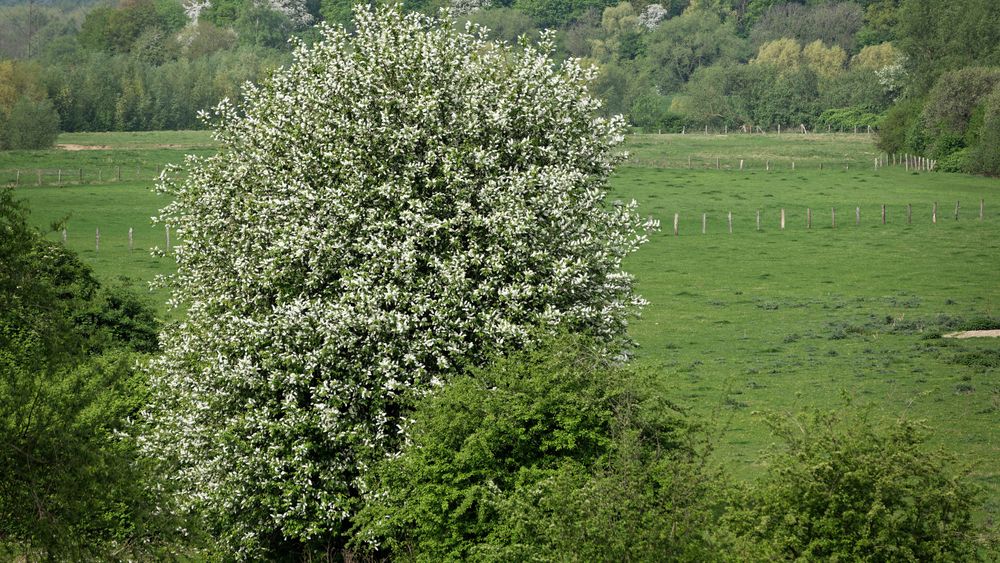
[(974, 334)]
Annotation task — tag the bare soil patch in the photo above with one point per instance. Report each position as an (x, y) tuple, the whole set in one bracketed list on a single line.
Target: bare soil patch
[(74, 147), (995, 333)]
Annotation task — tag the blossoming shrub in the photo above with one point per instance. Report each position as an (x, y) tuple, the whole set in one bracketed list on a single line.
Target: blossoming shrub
[(398, 202)]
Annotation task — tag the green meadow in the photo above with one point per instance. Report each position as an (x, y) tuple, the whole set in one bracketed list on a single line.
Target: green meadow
[(754, 320)]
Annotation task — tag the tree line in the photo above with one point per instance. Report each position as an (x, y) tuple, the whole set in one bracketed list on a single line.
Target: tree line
[(153, 64)]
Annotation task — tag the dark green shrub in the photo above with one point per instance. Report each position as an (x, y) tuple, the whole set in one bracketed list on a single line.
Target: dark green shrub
[(984, 156), (546, 453), (71, 485), (843, 489), (30, 125), (897, 122)]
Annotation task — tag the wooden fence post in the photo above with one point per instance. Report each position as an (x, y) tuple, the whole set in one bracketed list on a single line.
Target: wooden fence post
[(130, 246), (97, 240), (64, 235), (17, 179), (167, 229), (793, 165), (833, 217), (809, 218), (59, 177), (741, 164), (730, 222), (956, 210), (704, 222), (782, 218), (676, 219), (883, 214), (100, 174), (934, 214), (717, 163), (768, 166), (81, 175), (909, 214), (689, 162), (982, 205), (758, 219), (118, 173), (39, 173)]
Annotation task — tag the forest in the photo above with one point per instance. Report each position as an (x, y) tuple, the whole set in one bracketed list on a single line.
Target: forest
[(924, 74)]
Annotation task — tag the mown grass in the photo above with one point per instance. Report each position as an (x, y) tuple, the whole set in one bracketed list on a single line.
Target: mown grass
[(737, 323)]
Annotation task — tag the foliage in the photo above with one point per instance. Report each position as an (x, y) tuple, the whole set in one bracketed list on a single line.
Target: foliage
[(29, 125), (824, 61), (899, 121), (397, 203), (70, 485), (875, 57), (784, 53), (832, 23), (680, 46), (544, 453), (848, 118), (954, 97), (984, 156), (843, 488)]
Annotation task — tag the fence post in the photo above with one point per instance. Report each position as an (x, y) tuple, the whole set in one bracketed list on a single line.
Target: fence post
[(909, 213), (97, 240), (689, 161), (809, 218), (793, 165), (100, 174), (782, 218), (982, 204), (730, 222), (130, 240), (934, 214), (833, 217), (167, 229), (118, 173), (17, 179), (767, 165), (758, 219), (883, 214), (64, 235), (59, 177), (857, 216), (741, 164), (704, 222), (81, 175), (717, 163), (956, 210), (38, 171), (676, 220)]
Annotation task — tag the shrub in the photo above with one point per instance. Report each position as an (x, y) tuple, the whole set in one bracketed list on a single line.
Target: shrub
[(841, 488), (30, 125), (71, 485), (397, 203), (984, 156), (545, 453)]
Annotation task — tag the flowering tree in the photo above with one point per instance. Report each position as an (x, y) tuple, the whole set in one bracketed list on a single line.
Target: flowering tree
[(396, 203)]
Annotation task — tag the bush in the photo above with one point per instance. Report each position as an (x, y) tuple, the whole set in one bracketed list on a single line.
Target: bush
[(843, 489), (397, 203), (545, 453), (898, 120), (30, 125), (957, 161), (984, 156), (71, 485), (848, 118)]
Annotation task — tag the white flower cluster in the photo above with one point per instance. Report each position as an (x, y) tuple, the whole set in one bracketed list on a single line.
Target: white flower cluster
[(469, 6), (651, 16), (295, 10), (397, 203)]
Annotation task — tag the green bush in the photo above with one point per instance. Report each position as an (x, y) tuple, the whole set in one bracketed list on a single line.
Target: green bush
[(545, 453), (30, 125), (848, 118), (71, 486), (898, 121), (984, 157), (843, 489), (957, 161)]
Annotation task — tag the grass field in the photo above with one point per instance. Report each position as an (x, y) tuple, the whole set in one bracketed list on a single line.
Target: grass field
[(743, 322)]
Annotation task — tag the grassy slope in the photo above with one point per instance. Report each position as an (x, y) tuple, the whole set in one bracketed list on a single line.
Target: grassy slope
[(737, 323)]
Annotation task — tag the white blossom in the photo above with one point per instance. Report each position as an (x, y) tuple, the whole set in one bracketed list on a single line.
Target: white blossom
[(397, 203), (651, 16)]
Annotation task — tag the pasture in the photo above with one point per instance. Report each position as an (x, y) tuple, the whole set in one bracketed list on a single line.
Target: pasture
[(768, 319)]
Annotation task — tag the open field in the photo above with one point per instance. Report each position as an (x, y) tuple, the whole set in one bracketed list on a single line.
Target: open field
[(737, 323)]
